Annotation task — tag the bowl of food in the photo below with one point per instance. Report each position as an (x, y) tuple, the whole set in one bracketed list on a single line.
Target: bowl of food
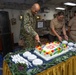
[(75, 45), (64, 42), (70, 44)]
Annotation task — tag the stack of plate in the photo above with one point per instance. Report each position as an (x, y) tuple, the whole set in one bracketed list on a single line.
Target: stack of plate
[(26, 54), (37, 62), (31, 57)]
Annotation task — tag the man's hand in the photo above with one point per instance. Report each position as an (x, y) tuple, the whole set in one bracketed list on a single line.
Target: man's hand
[(66, 37), (21, 42), (37, 38)]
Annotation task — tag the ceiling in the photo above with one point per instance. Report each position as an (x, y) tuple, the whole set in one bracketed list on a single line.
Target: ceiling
[(24, 4), (58, 2)]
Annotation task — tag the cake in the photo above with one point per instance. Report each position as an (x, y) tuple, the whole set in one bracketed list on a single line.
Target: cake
[(51, 49)]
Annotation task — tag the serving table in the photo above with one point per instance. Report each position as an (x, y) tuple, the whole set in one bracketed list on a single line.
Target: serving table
[(62, 65)]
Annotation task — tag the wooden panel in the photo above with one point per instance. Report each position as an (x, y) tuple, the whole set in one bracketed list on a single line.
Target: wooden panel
[(1, 47)]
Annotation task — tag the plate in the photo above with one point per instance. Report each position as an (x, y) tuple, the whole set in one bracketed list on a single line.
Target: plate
[(75, 45), (32, 57), (70, 44), (26, 54), (37, 62)]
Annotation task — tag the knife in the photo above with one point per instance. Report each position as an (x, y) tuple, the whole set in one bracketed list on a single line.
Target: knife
[(39, 43)]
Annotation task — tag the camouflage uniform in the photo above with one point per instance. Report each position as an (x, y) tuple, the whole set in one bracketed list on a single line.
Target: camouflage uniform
[(27, 31), (72, 24)]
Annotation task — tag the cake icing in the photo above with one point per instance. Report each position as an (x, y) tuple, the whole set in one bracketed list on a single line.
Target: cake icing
[(51, 50)]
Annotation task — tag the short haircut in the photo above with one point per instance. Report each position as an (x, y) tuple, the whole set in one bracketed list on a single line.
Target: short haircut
[(60, 13)]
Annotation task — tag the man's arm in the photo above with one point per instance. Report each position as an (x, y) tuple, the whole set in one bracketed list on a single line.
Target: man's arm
[(27, 25)]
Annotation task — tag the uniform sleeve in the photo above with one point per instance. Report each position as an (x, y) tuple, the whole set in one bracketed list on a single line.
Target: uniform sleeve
[(70, 22), (27, 25), (63, 23), (52, 24)]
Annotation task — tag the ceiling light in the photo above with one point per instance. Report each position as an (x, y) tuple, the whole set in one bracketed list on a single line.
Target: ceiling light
[(70, 4), (60, 8)]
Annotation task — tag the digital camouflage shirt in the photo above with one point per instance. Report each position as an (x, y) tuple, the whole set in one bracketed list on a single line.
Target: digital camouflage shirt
[(27, 31)]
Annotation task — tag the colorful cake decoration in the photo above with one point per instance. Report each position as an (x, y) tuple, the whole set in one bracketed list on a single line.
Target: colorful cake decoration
[(51, 48)]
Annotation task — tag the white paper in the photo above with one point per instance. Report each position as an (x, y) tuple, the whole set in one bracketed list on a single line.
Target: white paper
[(40, 24)]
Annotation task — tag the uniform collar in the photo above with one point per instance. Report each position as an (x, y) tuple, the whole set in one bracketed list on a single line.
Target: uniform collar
[(30, 12)]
